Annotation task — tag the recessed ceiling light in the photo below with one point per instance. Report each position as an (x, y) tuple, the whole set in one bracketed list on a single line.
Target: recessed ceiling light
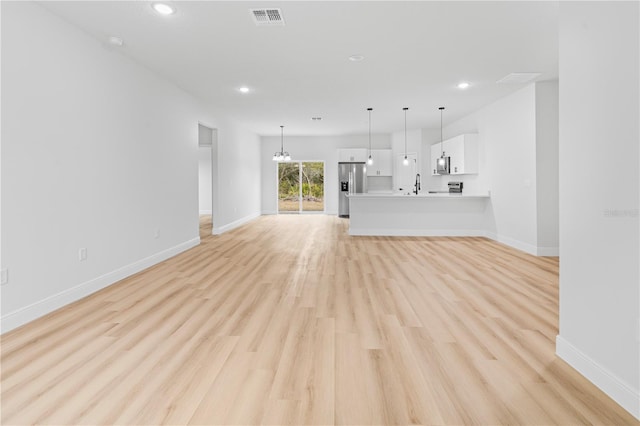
[(163, 8), (244, 89), (116, 41), (356, 58), (463, 85)]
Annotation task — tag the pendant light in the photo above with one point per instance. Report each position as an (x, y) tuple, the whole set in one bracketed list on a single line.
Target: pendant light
[(282, 155), (441, 160), (370, 160), (406, 160)]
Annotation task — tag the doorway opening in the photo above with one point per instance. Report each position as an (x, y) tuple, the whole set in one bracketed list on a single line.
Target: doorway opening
[(207, 151), (301, 187)]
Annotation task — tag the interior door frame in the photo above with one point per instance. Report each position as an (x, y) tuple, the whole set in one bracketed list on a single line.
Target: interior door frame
[(214, 174)]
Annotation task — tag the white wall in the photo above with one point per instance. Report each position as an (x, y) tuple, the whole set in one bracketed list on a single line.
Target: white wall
[(599, 196), (229, 176), (507, 165), (311, 148), (236, 176), (97, 152)]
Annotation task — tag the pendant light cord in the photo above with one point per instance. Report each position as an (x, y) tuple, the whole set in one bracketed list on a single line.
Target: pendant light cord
[(405, 131), (369, 109), (282, 139), (441, 138)]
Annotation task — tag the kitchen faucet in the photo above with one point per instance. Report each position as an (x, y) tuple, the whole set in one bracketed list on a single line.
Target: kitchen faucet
[(417, 185)]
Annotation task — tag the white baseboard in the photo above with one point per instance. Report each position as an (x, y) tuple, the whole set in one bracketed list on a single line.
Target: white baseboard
[(417, 232), (228, 227), (274, 212), (512, 242), (49, 304), (205, 211), (527, 248), (627, 397)]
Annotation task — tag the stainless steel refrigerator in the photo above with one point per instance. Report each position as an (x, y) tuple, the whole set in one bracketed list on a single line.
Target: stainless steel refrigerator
[(352, 178)]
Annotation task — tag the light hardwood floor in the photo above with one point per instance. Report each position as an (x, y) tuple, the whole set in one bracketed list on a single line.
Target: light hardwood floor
[(288, 320)]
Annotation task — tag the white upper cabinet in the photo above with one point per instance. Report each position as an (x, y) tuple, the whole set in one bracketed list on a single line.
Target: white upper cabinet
[(454, 148), (463, 151), (382, 163), (351, 155)]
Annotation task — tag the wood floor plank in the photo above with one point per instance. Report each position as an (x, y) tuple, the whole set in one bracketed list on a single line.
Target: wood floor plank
[(290, 321)]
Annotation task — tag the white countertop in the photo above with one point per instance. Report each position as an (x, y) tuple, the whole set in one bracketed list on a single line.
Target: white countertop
[(421, 195)]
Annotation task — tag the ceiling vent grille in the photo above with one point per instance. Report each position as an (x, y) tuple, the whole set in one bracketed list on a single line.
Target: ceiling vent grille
[(519, 77), (267, 17)]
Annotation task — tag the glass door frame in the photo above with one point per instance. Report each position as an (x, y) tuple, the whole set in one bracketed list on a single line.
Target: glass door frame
[(300, 201)]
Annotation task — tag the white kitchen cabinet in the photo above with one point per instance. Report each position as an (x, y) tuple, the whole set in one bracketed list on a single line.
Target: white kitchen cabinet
[(358, 155), (462, 149), (454, 148), (382, 163)]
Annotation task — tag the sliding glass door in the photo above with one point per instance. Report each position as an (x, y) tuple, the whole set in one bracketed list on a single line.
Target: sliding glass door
[(301, 187), (288, 187)]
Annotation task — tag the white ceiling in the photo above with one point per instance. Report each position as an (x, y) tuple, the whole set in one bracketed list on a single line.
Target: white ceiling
[(416, 52)]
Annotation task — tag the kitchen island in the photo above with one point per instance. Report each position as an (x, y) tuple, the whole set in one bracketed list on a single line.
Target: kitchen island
[(425, 214)]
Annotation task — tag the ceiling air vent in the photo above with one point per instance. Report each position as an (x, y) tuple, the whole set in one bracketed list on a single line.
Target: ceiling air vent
[(519, 77), (267, 17)]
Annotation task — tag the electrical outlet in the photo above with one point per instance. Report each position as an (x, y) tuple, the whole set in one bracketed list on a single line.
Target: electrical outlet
[(4, 276), (82, 254), (156, 233)]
